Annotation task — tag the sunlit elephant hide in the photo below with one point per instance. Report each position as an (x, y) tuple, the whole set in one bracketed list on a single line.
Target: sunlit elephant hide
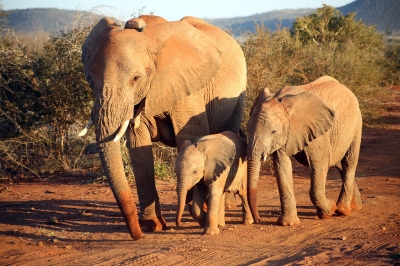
[(320, 124), (158, 81)]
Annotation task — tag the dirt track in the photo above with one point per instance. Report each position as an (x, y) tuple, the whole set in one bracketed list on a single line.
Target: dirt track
[(65, 220)]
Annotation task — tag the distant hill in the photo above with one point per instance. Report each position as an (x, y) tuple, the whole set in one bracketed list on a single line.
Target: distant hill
[(383, 13), (40, 19), (283, 18)]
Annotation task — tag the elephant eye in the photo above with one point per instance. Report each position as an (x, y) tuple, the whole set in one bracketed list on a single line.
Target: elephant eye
[(273, 131), (134, 80), (195, 172)]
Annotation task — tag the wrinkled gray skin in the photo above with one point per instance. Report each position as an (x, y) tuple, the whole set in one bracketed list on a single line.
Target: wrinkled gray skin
[(319, 123), (173, 81), (212, 165)]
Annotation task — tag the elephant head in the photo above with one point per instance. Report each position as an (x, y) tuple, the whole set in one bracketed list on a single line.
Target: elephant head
[(286, 122), (207, 158), (151, 64)]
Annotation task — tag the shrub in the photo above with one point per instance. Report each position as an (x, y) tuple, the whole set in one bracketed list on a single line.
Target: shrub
[(43, 95)]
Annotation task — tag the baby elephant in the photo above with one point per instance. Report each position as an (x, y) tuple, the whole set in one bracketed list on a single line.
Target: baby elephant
[(212, 165)]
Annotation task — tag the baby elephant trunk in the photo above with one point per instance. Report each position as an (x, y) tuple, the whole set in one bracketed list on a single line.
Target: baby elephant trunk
[(182, 192)]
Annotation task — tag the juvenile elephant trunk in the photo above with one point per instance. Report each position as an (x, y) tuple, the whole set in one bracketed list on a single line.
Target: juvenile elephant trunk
[(110, 156), (182, 192), (253, 169)]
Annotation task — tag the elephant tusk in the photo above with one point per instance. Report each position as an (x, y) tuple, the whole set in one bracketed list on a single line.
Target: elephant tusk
[(85, 130), (121, 131), (264, 157)]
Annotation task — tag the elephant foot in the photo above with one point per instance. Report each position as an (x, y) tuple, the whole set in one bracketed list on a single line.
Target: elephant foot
[(328, 212), (342, 209), (221, 223), (211, 230), (356, 203), (152, 225), (248, 221), (289, 220)]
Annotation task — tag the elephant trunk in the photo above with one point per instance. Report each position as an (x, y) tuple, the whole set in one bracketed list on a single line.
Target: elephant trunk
[(111, 112), (253, 170), (182, 193), (254, 151), (111, 160)]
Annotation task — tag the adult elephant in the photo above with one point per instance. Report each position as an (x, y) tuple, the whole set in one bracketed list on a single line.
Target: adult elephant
[(320, 124), (158, 81)]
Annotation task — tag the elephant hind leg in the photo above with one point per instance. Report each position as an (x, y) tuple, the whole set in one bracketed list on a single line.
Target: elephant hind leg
[(349, 197), (325, 207)]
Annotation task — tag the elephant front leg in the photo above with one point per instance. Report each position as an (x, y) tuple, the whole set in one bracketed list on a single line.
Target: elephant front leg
[(141, 155), (214, 204), (284, 178)]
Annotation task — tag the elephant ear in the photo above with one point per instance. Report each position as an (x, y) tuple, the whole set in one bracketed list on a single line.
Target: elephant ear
[(185, 143), (99, 33), (186, 62), (261, 97), (309, 118), (220, 153)]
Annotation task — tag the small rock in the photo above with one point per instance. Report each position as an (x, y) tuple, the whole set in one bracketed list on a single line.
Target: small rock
[(39, 244), (68, 247), (383, 228), (344, 237)]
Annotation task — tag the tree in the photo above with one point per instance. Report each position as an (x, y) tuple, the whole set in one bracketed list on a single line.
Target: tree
[(328, 25)]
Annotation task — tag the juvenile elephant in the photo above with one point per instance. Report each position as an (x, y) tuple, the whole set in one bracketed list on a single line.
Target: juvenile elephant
[(158, 81), (213, 165), (320, 124)]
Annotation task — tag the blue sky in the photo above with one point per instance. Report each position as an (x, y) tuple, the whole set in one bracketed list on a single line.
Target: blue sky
[(174, 9)]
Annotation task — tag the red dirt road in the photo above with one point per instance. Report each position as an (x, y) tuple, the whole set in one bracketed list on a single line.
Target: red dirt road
[(68, 220)]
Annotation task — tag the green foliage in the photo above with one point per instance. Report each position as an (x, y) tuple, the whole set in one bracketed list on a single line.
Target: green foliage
[(164, 161), (391, 64), (327, 25), (43, 95)]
